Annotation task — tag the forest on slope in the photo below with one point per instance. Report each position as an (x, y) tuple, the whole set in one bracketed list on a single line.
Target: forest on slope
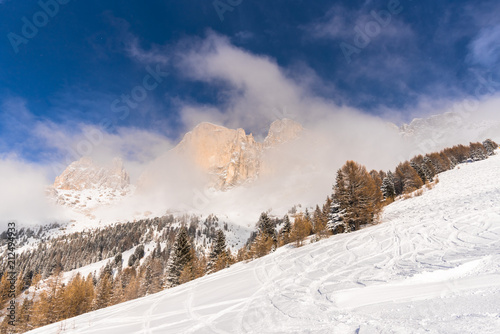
[(179, 256)]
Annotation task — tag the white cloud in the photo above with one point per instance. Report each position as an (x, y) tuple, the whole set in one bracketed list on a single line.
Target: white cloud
[(22, 194), (485, 48), (254, 91)]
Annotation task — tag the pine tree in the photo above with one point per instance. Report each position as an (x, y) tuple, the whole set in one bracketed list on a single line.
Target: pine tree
[(285, 230), (490, 146), (478, 152), (388, 189), (266, 226), (180, 257), (218, 255), (336, 222)]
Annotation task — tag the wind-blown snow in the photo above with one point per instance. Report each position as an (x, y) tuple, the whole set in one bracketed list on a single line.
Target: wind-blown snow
[(431, 266)]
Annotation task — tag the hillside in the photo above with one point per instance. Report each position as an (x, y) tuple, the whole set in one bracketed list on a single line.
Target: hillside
[(431, 266)]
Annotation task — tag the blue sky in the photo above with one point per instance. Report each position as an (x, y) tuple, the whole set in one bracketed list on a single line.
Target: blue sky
[(150, 70)]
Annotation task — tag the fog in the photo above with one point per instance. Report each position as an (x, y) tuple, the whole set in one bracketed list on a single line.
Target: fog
[(255, 92)]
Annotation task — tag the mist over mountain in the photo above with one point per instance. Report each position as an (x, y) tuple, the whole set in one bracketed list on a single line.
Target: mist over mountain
[(214, 169)]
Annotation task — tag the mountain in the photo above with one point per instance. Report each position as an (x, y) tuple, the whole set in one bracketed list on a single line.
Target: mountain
[(226, 157), (430, 266), (86, 184), (451, 128), (231, 157)]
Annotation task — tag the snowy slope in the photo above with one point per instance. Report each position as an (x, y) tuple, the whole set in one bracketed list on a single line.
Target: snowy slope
[(432, 266)]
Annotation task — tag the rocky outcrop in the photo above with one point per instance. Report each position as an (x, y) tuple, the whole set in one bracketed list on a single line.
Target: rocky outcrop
[(282, 131), (85, 185), (85, 174), (230, 156)]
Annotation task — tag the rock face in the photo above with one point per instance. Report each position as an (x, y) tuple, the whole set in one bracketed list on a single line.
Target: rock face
[(85, 174), (230, 156), (282, 131), (85, 185)]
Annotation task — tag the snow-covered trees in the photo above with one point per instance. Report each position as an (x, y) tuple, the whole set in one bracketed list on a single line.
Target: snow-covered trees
[(356, 193), (478, 152), (336, 223), (302, 227), (320, 220), (388, 190), (406, 179), (104, 292), (490, 146), (219, 257), (180, 257), (266, 226), (285, 231)]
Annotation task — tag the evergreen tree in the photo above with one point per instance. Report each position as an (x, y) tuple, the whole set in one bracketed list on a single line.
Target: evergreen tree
[(285, 230), (218, 253), (336, 222), (266, 226), (418, 168), (180, 257), (388, 189), (478, 152), (490, 146)]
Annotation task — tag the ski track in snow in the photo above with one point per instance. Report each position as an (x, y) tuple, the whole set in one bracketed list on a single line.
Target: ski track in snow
[(432, 266)]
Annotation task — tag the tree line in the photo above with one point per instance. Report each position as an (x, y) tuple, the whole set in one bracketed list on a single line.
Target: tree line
[(357, 199)]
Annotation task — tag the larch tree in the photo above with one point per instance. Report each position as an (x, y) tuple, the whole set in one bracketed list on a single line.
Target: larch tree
[(302, 227), (104, 292), (408, 178), (319, 222), (356, 193)]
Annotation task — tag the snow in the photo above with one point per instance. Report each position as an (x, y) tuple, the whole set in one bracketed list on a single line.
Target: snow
[(431, 266)]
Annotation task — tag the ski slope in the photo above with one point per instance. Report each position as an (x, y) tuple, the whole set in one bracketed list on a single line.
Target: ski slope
[(431, 266)]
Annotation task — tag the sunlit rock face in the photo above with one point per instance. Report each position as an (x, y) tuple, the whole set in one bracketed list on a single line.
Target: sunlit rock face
[(232, 157)]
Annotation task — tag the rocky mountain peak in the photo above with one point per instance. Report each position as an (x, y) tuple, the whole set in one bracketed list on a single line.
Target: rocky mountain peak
[(230, 156), (86, 174), (282, 131)]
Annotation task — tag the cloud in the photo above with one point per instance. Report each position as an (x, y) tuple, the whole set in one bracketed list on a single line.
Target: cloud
[(23, 194), (485, 48), (341, 23), (250, 86), (137, 147), (252, 91)]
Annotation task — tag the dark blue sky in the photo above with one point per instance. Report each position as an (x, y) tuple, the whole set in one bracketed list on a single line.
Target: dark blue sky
[(75, 68)]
